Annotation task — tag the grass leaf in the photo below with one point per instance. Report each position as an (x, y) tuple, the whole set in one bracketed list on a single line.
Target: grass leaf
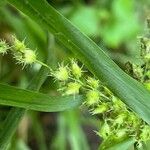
[(11, 96)]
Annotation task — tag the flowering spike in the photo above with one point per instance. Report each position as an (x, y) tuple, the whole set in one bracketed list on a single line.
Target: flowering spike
[(105, 131), (29, 57), (121, 133), (72, 88), (133, 120), (120, 118), (100, 109), (18, 45), (76, 70), (62, 74), (93, 83), (145, 133), (92, 97), (3, 47)]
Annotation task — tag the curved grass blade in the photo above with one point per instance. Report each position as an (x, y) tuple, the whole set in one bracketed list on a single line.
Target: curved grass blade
[(11, 96)]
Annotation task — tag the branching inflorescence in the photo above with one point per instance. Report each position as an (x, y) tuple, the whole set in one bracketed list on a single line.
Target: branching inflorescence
[(117, 121)]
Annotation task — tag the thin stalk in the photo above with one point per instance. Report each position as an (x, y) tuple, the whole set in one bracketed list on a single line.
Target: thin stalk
[(43, 64)]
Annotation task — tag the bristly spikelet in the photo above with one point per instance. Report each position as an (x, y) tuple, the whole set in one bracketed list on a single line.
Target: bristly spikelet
[(92, 97), (133, 120), (121, 133), (76, 70), (26, 58), (118, 105), (18, 46), (4, 47), (100, 109), (93, 83), (72, 88), (105, 131), (29, 56), (19, 58), (145, 133), (62, 74), (119, 121), (22, 54)]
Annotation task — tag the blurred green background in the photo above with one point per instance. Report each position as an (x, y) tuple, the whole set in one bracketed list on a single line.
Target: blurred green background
[(113, 24)]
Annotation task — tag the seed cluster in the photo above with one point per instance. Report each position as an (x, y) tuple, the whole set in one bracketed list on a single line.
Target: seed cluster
[(4, 47), (21, 53), (117, 121)]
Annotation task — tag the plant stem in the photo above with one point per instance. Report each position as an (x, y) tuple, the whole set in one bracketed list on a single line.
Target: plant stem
[(43, 64)]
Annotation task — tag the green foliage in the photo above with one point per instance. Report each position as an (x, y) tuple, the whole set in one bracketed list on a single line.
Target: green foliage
[(11, 96), (118, 122), (116, 24), (122, 23), (86, 19), (130, 91)]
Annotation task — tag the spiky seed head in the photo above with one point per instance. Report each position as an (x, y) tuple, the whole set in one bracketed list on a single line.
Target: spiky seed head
[(76, 70), (18, 45), (133, 120), (29, 56), (62, 73), (92, 97), (19, 58), (26, 58), (3, 47), (93, 82), (73, 88), (118, 104), (105, 131), (121, 133), (145, 133), (100, 109), (120, 119)]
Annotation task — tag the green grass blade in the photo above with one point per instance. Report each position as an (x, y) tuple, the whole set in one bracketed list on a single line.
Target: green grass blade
[(11, 96), (126, 88)]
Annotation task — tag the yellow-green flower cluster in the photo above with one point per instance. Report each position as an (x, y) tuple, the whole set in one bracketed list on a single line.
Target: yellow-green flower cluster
[(69, 78), (21, 53), (4, 47), (117, 121)]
